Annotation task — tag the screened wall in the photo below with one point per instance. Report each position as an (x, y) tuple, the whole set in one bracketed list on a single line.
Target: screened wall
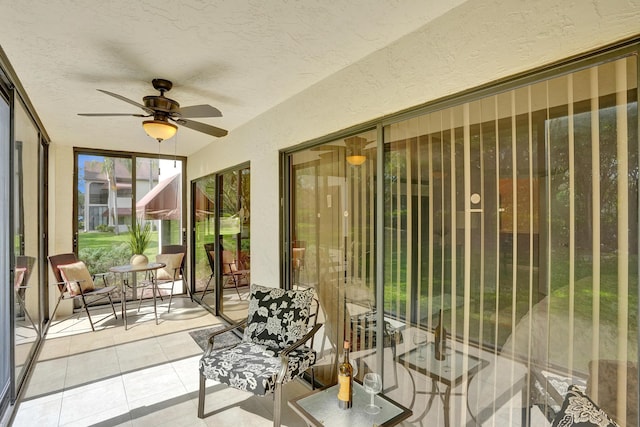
[(516, 215), (513, 217)]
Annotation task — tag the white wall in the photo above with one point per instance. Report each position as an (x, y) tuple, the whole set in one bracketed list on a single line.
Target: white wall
[(60, 215), (478, 42)]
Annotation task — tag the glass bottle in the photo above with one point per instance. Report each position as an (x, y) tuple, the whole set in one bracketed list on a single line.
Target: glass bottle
[(440, 339), (345, 380)]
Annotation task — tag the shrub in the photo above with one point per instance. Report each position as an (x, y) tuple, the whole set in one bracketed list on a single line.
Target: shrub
[(99, 260)]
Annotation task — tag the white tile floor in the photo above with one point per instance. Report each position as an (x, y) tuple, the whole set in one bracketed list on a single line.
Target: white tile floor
[(145, 376), (148, 376)]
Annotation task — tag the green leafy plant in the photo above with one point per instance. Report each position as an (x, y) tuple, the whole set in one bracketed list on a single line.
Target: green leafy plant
[(139, 236)]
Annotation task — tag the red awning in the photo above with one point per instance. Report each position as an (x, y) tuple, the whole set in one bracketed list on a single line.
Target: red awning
[(204, 205), (121, 212), (163, 201)]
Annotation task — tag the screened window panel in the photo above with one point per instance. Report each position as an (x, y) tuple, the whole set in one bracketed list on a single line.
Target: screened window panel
[(517, 216)]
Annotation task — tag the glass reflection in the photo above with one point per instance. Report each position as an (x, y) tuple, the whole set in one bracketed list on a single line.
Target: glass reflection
[(222, 260), (25, 240), (332, 246)]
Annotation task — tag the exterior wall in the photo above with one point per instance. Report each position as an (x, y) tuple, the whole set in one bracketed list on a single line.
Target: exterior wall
[(474, 44), (60, 215)]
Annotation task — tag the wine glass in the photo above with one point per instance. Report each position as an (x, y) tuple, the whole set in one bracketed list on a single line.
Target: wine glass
[(373, 385), (420, 340)]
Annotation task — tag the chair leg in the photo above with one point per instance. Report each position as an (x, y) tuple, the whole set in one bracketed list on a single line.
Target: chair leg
[(235, 283), (24, 309), (207, 287), (112, 306), (140, 300), (201, 393), (277, 404), (171, 295), (84, 303), (186, 284)]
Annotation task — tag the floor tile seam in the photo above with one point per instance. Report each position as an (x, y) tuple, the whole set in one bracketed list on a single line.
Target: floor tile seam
[(73, 400), (137, 413), (126, 415)]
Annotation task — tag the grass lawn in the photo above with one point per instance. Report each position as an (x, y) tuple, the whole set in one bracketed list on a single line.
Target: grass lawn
[(97, 239)]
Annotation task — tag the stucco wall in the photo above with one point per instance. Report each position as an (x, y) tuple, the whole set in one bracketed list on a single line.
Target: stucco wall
[(60, 214), (478, 42)]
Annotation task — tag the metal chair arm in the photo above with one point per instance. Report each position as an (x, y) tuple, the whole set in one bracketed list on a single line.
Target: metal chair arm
[(284, 354), (222, 331), (302, 340)]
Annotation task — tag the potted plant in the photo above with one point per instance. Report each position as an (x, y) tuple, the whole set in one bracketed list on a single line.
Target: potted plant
[(139, 238)]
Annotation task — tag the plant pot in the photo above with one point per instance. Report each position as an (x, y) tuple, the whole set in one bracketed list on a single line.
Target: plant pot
[(139, 259)]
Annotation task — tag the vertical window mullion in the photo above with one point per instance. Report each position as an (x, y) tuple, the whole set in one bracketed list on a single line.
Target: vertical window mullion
[(595, 209), (623, 231)]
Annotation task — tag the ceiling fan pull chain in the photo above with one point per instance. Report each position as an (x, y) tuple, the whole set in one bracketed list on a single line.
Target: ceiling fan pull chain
[(175, 150)]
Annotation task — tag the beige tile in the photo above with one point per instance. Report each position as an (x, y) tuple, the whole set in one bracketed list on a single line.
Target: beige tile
[(147, 375), (135, 332), (178, 345), (188, 372), (95, 401), (152, 385), (55, 347), (239, 416), (48, 377), (44, 412), (172, 413), (142, 354), (112, 416), (91, 369)]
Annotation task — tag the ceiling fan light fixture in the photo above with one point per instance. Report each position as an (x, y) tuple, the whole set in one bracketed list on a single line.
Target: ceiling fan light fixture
[(356, 159), (159, 129)]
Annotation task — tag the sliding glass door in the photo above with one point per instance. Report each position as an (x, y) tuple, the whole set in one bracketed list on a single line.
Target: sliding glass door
[(6, 390), (109, 199), (331, 247), (221, 208), (27, 241), (516, 216), (511, 219)]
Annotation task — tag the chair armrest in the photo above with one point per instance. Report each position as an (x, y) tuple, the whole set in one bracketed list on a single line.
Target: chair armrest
[(222, 331), (284, 354), (307, 337), (103, 276)]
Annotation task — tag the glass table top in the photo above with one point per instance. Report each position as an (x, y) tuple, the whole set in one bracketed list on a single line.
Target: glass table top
[(320, 408), (448, 371)]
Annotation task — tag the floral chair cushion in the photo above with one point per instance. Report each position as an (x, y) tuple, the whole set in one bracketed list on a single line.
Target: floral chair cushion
[(579, 410), (277, 318), (253, 367)]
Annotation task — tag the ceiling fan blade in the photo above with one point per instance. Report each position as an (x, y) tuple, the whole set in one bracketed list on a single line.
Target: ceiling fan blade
[(202, 127), (122, 98), (111, 114), (203, 110)]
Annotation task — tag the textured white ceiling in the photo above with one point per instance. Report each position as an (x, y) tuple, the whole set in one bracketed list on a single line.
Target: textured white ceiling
[(241, 56)]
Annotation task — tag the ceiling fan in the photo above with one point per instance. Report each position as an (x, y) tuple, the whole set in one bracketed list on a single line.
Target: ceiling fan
[(163, 110)]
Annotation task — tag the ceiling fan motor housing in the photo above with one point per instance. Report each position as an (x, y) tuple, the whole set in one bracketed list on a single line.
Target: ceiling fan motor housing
[(161, 103)]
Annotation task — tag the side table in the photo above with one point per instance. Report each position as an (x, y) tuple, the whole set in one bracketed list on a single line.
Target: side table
[(124, 271), (320, 408)]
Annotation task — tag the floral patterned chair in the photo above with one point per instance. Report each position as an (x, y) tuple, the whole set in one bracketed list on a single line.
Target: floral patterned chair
[(272, 351)]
